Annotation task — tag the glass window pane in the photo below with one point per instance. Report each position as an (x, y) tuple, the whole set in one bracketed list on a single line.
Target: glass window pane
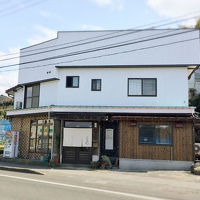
[(147, 134), (39, 138), (41, 122), (96, 84), (35, 102), (75, 81), (163, 134), (33, 136), (69, 81), (50, 136), (149, 87), (28, 102), (36, 90), (45, 140), (78, 124), (29, 92), (135, 87)]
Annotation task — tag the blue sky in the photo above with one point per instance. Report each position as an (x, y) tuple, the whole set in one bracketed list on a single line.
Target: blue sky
[(23, 25)]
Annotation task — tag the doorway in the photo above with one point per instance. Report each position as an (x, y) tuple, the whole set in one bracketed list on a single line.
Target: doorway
[(109, 141), (77, 143)]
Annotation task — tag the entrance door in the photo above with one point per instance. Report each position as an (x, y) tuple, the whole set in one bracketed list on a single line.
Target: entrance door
[(110, 140), (76, 155), (77, 143)]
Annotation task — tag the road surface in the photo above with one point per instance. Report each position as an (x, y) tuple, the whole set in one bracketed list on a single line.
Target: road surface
[(99, 185)]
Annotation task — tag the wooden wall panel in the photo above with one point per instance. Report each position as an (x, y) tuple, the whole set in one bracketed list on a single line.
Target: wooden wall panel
[(183, 143), (182, 148), (127, 140)]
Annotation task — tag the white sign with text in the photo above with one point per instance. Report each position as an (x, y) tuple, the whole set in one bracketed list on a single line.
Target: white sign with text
[(109, 139)]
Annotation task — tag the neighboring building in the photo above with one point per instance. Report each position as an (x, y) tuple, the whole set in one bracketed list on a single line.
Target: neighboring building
[(5, 126), (6, 103), (130, 102), (194, 81), (4, 99)]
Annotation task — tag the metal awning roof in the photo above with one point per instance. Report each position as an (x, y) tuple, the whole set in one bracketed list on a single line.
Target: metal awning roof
[(103, 109)]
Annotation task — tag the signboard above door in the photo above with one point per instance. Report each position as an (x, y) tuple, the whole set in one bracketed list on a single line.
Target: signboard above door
[(77, 137)]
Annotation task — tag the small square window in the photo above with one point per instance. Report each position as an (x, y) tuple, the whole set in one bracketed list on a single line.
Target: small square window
[(96, 85), (72, 81)]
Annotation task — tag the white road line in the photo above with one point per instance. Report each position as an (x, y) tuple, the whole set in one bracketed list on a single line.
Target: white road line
[(85, 188)]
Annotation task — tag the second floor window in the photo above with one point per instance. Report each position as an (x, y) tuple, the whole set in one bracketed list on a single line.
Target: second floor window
[(32, 94), (96, 85), (142, 87), (72, 81)]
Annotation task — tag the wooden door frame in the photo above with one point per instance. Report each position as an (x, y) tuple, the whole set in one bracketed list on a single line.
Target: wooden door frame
[(116, 145)]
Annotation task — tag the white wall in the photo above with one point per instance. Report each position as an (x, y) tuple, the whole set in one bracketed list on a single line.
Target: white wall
[(48, 93), (185, 53), (171, 88), (19, 96)]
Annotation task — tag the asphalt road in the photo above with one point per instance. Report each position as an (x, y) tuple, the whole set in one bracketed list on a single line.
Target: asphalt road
[(99, 185)]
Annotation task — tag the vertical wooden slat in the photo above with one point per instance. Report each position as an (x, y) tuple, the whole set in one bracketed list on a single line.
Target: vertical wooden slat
[(182, 148)]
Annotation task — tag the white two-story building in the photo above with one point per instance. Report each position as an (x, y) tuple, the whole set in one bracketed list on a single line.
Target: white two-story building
[(123, 94)]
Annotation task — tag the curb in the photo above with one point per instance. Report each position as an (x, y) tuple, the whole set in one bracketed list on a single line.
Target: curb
[(22, 170)]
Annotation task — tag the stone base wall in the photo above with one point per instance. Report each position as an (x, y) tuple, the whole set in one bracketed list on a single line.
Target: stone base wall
[(145, 165)]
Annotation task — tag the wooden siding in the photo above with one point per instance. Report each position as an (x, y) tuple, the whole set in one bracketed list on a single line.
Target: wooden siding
[(182, 148)]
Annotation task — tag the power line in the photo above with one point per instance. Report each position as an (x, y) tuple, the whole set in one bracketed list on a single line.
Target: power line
[(139, 49), (113, 32), (97, 49), (22, 56), (104, 55), (98, 40), (74, 53), (12, 6), (22, 8), (3, 2)]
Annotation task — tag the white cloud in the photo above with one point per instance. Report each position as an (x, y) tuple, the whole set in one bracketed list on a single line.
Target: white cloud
[(51, 15), (103, 2), (175, 8), (45, 13), (91, 27), (8, 79), (114, 4), (42, 35)]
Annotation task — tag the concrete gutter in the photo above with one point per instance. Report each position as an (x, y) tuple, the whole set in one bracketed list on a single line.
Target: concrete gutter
[(23, 168)]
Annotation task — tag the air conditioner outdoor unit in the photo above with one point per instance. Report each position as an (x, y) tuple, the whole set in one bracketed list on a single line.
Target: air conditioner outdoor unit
[(18, 105)]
